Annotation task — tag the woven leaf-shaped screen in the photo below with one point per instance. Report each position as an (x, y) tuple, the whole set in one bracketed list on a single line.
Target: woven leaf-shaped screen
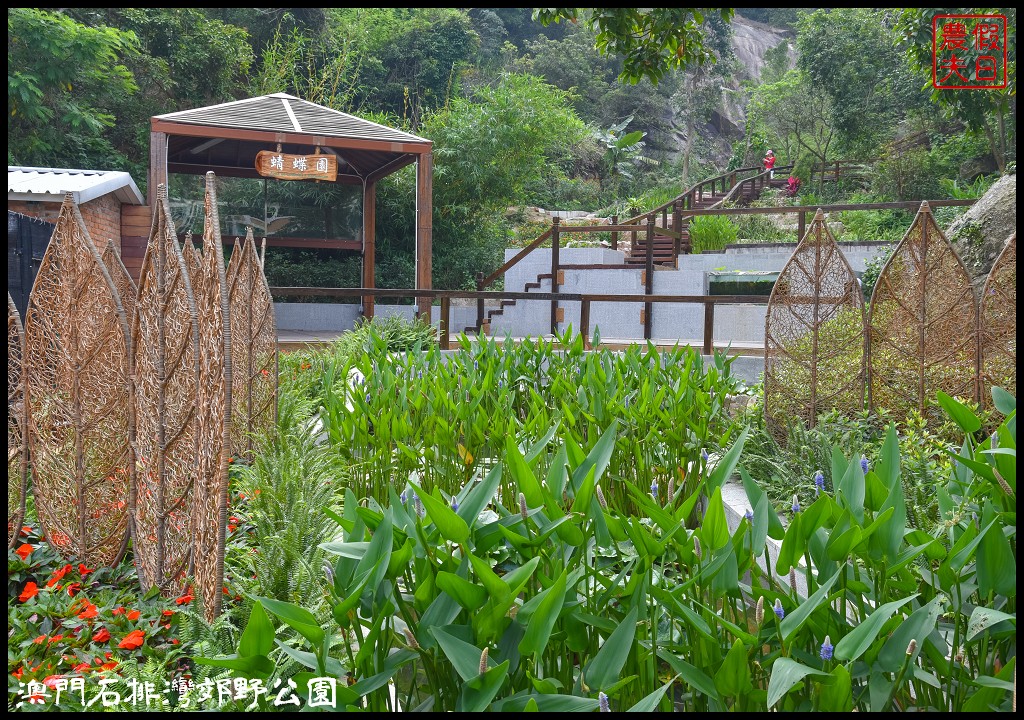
[(999, 324), (76, 369), (253, 349), (165, 339), (923, 325), (123, 282), (16, 455), (209, 501), (814, 335)]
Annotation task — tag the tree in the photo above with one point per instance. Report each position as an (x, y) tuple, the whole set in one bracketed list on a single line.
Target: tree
[(793, 116), (651, 41), (63, 81), (850, 55), (574, 64), (991, 111), (410, 60)]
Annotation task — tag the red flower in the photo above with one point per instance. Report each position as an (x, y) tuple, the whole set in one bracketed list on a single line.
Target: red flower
[(89, 612), (83, 570), (17, 673), (30, 591), (58, 575), (168, 613), (25, 529), (266, 373), (73, 588), (40, 640), (82, 667), (234, 519), (24, 551), (133, 640), (134, 615), (55, 638), (232, 528), (108, 665), (117, 611), (175, 641), (101, 636), (184, 599), (51, 681)]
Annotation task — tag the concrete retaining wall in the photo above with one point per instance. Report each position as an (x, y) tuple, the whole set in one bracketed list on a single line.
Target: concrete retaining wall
[(336, 317), (733, 323), (685, 322)]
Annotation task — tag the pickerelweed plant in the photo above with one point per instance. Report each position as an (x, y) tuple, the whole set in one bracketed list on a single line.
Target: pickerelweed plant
[(551, 579), (447, 417)]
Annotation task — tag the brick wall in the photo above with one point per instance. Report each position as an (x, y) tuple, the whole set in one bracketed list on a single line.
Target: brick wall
[(102, 217)]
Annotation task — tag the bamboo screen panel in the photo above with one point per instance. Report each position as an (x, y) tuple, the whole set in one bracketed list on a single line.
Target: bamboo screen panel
[(253, 350), (923, 332), (214, 394), (77, 388), (998, 327), (17, 466), (814, 335), (165, 339), (123, 282)]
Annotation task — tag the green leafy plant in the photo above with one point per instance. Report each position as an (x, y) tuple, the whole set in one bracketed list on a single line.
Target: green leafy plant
[(711, 232)]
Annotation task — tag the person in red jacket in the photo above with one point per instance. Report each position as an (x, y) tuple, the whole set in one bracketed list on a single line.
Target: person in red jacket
[(769, 164)]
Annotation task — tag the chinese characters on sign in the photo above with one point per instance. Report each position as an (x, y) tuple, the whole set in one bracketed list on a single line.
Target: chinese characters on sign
[(296, 167), (204, 695), (969, 52)]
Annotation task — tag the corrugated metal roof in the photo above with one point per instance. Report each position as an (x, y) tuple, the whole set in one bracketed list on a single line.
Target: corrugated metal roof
[(281, 112), (50, 185)]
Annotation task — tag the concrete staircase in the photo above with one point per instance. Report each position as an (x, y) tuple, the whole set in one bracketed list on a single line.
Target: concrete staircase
[(664, 246), (538, 284)]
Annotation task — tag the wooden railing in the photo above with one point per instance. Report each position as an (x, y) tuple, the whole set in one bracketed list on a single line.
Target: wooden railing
[(684, 200), (586, 301), (802, 210)]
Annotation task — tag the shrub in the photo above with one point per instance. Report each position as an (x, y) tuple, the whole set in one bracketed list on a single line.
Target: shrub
[(712, 232)]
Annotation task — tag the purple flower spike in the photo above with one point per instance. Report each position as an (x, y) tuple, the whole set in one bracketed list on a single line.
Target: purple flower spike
[(826, 649)]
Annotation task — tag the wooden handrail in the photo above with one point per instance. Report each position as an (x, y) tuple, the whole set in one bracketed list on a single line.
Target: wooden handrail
[(518, 256), (900, 205), (690, 191), (446, 296)]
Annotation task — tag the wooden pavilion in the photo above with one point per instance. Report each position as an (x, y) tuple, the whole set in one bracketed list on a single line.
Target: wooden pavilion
[(232, 138)]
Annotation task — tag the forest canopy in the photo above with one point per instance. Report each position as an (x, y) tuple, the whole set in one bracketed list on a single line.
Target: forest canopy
[(594, 109)]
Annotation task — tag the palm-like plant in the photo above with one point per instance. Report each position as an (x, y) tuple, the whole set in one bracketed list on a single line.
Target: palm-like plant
[(623, 151)]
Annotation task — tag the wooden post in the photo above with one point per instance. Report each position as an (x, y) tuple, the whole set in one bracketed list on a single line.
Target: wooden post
[(677, 226), (649, 280), (585, 322), (709, 327), (446, 317), (480, 304), (615, 233), (801, 227), (369, 244), (632, 234), (157, 165), (554, 273), (424, 230)]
